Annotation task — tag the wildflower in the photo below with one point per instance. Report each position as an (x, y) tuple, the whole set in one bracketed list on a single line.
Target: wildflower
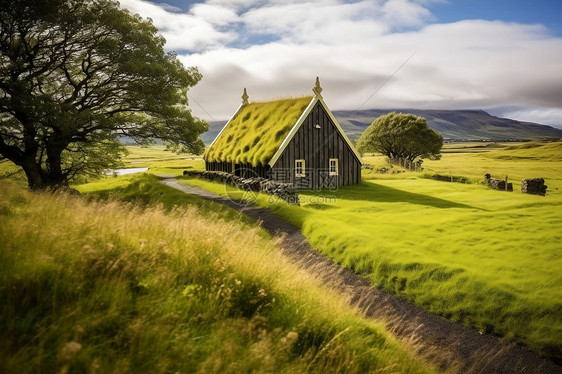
[(70, 349), (142, 243), (289, 339)]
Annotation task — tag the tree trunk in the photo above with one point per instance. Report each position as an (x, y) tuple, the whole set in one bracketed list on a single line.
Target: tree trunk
[(28, 159), (54, 175), (34, 174), (39, 178)]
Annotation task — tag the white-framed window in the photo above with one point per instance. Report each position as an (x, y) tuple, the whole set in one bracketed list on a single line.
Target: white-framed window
[(333, 166), (299, 168)]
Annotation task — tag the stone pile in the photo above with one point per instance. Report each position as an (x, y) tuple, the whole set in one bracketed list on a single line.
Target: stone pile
[(450, 178), (285, 191), (533, 186), (497, 184)]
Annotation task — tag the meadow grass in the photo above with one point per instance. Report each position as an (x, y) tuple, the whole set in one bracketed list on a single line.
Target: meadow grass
[(144, 189), (488, 259), (485, 258), (161, 161), (109, 286), (156, 158), (13, 173), (474, 160), (519, 161)]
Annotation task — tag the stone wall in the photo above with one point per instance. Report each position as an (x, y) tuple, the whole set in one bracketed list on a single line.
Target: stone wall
[(533, 186), (450, 178), (284, 191), (497, 184)]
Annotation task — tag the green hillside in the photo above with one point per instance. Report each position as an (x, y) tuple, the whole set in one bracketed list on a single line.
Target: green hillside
[(104, 286)]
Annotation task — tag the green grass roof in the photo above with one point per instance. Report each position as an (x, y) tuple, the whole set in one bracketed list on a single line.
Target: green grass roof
[(256, 131)]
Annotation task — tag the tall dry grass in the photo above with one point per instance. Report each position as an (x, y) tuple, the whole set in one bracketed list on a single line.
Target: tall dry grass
[(105, 286)]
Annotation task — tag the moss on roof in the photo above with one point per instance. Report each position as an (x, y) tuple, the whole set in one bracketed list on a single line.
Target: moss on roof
[(256, 131)]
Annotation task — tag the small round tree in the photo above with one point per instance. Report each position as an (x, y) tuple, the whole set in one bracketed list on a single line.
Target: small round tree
[(399, 135)]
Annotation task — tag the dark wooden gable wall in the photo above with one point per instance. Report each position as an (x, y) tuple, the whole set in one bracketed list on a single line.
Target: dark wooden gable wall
[(317, 146)]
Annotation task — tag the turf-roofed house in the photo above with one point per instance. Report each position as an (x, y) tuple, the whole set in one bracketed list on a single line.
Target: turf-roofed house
[(295, 140)]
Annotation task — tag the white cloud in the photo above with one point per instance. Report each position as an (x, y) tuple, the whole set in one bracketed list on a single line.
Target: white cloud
[(214, 14), (399, 14), (334, 22), (305, 22), (354, 47), (187, 31)]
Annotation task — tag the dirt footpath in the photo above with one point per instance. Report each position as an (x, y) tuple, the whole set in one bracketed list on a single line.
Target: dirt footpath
[(449, 346)]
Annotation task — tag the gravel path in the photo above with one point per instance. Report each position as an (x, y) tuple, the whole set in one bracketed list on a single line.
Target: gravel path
[(447, 345)]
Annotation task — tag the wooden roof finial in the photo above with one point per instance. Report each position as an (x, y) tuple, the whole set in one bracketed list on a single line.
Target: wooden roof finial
[(317, 89), (245, 97)]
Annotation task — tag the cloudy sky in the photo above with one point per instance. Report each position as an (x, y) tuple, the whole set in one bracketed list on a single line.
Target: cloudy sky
[(498, 55)]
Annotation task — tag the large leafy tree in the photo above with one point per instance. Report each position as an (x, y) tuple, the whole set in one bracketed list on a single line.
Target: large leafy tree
[(399, 135), (75, 75)]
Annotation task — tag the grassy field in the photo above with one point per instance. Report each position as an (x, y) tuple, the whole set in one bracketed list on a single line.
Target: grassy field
[(161, 161), (13, 173), (527, 160), (144, 189), (98, 285), (488, 259), (474, 160), (156, 158)]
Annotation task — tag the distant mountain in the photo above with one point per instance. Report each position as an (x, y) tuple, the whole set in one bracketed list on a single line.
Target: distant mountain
[(214, 128), (452, 124)]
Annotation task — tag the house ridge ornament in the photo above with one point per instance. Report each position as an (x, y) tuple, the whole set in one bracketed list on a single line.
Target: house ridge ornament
[(245, 98), (317, 89)]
